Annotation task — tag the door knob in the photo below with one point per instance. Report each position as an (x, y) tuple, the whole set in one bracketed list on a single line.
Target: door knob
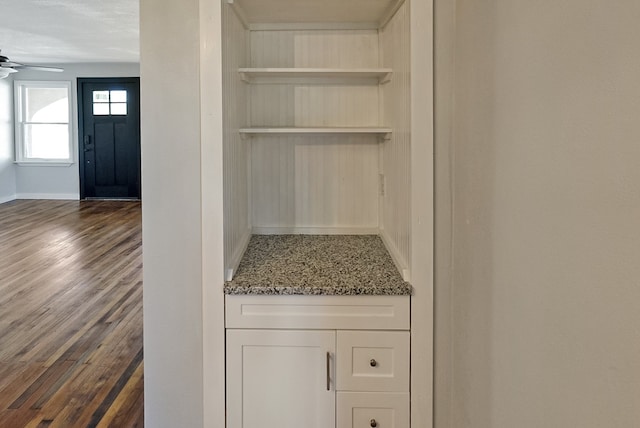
[(373, 423), (373, 363)]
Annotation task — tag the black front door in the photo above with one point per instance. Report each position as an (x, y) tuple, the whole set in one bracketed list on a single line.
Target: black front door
[(109, 137)]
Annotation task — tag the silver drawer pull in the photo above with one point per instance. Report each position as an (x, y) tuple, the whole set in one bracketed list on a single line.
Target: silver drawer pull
[(373, 363), (373, 423)]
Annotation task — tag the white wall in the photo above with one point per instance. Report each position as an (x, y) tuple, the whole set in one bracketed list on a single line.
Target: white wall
[(63, 182), (546, 209), (172, 231), (182, 212), (7, 168)]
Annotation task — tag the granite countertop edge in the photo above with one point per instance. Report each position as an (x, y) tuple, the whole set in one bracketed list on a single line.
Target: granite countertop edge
[(404, 290)]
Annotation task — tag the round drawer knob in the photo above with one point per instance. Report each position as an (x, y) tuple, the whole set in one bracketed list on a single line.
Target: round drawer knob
[(373, 363), (373, 423)]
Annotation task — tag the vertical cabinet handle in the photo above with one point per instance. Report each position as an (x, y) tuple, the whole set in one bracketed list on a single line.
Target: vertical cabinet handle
[(328, 371)]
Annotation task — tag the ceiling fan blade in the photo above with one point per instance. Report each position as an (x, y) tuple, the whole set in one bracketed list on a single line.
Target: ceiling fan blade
[(35, 67), (6, 71), (7, 64)]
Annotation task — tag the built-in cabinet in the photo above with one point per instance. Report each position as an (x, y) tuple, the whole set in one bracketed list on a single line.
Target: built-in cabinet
[(317, 128), (296, 117), (343, 375)]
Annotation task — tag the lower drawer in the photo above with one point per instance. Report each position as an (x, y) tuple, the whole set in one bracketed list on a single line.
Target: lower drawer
[(372, 410)]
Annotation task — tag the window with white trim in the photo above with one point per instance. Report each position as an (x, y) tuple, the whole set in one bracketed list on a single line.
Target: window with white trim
[(43, 122)]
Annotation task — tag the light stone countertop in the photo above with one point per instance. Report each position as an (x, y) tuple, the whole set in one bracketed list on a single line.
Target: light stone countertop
[(317, 265)]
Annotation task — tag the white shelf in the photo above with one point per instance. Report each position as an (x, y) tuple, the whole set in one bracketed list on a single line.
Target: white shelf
[(382, 75), (382, 132)]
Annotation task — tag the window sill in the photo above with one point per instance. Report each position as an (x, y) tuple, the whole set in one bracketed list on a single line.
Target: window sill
[(44, 163)]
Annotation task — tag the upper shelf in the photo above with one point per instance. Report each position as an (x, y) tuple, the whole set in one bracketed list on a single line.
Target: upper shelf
[(383, 75), (379, 131)]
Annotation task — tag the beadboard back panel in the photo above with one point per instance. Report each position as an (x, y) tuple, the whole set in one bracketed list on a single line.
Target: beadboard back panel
[(237, 229), (315, 48), (321, 183), (314, 105), (396, 152), (315, 184)]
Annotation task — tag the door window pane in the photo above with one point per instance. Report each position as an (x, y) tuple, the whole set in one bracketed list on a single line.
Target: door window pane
[(100, 109), (119, 109), (118, 96), (100, 96)]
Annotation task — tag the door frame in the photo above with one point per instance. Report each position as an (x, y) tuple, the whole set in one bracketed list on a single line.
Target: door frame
[(81, 81)]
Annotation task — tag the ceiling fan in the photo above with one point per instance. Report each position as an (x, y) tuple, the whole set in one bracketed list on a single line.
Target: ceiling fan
[(7, 67)]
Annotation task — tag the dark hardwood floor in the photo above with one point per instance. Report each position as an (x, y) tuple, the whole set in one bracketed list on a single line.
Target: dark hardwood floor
[(71, 314)]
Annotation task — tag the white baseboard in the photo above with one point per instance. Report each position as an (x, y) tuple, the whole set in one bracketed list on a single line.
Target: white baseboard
[(237, 256), (397, 258), (56, 196), (4, 199), (260, 230)]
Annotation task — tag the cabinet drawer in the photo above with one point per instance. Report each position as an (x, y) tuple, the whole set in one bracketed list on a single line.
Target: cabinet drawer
[(372, 361), (372, 410), (318, 312)]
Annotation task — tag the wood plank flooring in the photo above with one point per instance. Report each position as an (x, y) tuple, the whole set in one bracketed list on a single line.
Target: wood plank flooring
[(71, 314)]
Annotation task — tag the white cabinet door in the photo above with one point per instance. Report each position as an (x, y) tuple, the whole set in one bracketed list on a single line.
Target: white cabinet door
[(280, 379)]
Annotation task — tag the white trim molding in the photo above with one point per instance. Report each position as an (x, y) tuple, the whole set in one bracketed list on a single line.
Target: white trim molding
[(5, 199), (52, 196)]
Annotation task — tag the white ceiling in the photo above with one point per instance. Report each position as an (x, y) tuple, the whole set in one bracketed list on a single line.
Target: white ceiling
[(64, 31)]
